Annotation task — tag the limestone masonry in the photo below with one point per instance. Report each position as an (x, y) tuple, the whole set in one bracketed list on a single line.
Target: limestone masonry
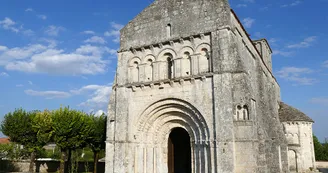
[(194, 94)]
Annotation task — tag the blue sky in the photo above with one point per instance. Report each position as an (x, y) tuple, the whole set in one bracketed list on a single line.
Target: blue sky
[(56, 53)]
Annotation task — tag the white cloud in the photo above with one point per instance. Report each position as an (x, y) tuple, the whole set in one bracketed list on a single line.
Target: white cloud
[(89, 32), (19, 85), (43, 17), (48, 94), (99, 113), (29, 10), (320, 100), (95, 39), (86, 60), (9, 24), (248, 22), (53, 30), (4, 74), (28, 32), (241, 5), (30, 82), (296, 75), (99, 95), (114, 31), (283, 53), (249, 1), (7, 55), (295, 3), (325, 64), (303, 44)]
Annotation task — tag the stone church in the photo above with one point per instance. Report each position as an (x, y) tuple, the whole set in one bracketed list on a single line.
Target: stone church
[(194, 94)]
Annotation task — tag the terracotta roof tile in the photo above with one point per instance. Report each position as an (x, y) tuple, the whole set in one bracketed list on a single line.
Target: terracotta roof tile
[(4, 140)]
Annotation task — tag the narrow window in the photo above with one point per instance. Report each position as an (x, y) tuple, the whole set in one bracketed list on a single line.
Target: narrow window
[(168, 30), (149, 70), (169, 68), (135, 72)]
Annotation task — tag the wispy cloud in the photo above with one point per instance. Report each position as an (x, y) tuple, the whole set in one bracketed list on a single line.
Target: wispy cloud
[(295, 3), (43, 17), (325, 64), (283, 53), (241, 5), (4, 74), (29, 10), (95, 39), (30, 82), (19, 85), (114, 31), (53, 30), (248, 22), (296, 75), (89, 32), (320, 101), (9, 24), (249, 1), (97, 95), (48, 94), (303, 44)]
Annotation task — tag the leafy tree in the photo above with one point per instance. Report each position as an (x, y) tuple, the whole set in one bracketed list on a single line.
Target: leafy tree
[(97, 137), (42, 125), (70, 131), (318, 149), (18, 126)]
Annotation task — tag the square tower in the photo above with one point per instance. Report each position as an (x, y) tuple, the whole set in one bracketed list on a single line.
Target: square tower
[(192, 94)]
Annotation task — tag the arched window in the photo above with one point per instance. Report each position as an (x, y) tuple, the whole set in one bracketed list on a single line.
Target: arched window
[(187, 61), (204, 62), (135, 72), (149, 70), (168, 30), (242, 113), (170, 65)]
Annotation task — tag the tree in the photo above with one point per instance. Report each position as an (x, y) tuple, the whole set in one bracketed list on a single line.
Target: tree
[(42, 125), (70, 132), (18, 126), (97, 137), (318, 149)]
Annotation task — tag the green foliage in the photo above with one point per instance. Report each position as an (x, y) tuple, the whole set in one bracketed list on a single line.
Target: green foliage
[(318, 149), (97, 136), (70, 128), (42, 125), (18, 126), (13, 151)]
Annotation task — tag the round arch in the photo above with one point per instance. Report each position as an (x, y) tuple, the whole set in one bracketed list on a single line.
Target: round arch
[(157, 120), (165, 51)]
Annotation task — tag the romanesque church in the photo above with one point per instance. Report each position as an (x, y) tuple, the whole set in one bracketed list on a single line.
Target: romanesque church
[(193, 93)]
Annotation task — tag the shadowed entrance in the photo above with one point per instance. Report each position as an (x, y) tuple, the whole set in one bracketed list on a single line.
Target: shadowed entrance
[(179, 151)]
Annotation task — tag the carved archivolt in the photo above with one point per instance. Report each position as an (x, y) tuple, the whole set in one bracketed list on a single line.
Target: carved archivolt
[(156, 122)]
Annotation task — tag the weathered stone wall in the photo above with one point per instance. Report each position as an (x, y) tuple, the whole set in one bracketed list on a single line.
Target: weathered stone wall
[(301, 149), (186, 18), (203, 75)]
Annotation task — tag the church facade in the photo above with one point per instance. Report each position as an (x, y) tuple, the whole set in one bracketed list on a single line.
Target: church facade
[(194, 94)]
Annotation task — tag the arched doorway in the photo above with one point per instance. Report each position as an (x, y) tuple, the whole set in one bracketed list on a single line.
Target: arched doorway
[(179, 151)]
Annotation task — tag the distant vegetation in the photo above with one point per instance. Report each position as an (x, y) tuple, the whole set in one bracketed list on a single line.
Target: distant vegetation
[(320, 149), (78, 136)]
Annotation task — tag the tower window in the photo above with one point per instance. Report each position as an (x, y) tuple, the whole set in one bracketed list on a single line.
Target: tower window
[(168, 30)]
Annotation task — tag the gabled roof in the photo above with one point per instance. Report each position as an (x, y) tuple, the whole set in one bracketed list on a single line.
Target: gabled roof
[(4, 141), (289, 113)]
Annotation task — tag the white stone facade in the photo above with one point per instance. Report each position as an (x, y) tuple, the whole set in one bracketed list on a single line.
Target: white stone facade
[(189, 68), (300, 146)]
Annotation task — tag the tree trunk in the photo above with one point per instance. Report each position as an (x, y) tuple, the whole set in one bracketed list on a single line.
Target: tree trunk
[(32, 159), (69, 161), (95, 161), (62, 161)]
